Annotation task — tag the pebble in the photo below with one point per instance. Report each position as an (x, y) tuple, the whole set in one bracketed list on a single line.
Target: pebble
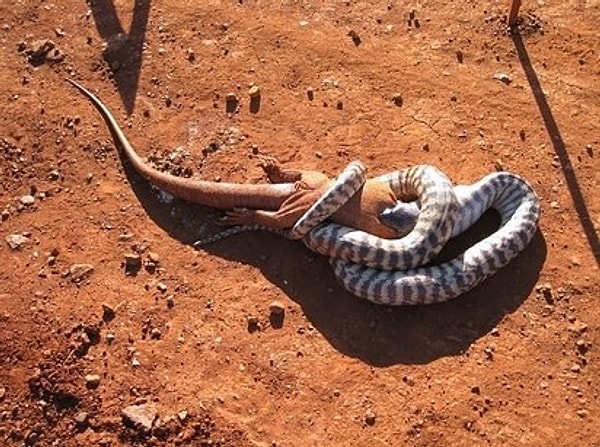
[(397, 99), (79, 272), (81, 419), (370, 417), (108, 312), (276, 308), (182, 415), (155, 333), (153, 257), (170, 301), (355, 37), (92, 380), (5, 214), (16, 241), (583, 413), (310, 92), (161, 286), (53, 175), (253, 323), (503, 77), (135, 363), (578, 327), (254, 92), (133, 262), (110, 337), (141, 416), (231, 98), (409, 380), (27, 200)]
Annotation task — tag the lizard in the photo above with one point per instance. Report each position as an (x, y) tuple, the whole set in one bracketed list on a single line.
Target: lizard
[(277, 205)]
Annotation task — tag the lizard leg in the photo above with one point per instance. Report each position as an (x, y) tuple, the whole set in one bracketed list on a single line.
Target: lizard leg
[(276, 173), (245, 216), (285, 217)]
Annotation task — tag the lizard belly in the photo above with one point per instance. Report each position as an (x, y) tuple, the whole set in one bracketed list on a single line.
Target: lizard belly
[(362, 211)]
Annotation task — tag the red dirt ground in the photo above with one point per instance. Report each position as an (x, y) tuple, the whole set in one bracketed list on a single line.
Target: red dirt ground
[(514, 362)]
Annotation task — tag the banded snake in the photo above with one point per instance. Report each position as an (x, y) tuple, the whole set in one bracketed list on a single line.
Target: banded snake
[(391, 272)]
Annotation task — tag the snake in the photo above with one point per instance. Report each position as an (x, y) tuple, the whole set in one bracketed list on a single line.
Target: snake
[(519, 208), (391, 272)]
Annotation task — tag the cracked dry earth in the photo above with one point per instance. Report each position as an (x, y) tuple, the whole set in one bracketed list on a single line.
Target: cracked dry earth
[(115, 331)]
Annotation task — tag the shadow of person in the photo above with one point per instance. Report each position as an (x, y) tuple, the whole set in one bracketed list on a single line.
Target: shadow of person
[(123, 51), (378, 335)]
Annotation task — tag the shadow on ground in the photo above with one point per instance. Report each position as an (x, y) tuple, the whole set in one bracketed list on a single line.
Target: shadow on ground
[(123, 51)]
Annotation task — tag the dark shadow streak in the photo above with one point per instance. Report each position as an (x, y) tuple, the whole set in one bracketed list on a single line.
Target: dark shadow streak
[(559, 146), (123, 52), (378, 335)]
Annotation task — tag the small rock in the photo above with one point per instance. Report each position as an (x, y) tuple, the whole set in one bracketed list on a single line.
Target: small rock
[(254, 91), (397, 99), (370, 417), (79, 272), (153, 257), (409, 380), (161, 286), (575, 368), (578, 327), (135, 363), (340, 104), (170, 301), (16, 241), (141, 416), (253, 323), (132, 263), (231, 102), (355, 37), (27, 200), (53, 175), (155, 333), (475, 389), (459, 56), (182, 415), (503, 77), (81, 419), (2, 393), (276, 308), (583, 413), (110, 337), (5, 215), (310, 92), (108, 313), (92, 380), (522, 135)]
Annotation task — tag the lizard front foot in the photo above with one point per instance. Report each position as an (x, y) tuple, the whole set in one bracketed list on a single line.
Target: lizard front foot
[(238, 216)]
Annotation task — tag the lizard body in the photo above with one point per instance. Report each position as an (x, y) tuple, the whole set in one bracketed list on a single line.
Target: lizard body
[(277, 205)]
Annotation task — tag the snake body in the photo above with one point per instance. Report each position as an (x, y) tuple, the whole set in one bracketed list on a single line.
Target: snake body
[(434, 226), (519, 209)]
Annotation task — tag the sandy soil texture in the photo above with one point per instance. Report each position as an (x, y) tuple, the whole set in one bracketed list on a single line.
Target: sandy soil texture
[(115, 331)]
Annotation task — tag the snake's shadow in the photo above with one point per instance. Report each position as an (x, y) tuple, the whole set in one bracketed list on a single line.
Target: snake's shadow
[(378, 335)]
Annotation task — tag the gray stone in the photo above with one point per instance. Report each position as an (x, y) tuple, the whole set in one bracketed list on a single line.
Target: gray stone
[(140, 416)]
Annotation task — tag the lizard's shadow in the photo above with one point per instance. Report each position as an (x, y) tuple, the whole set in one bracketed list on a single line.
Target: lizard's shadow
[(378, 335)]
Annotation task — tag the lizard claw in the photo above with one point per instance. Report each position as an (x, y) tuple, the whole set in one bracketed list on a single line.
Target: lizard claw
[(237, 216)]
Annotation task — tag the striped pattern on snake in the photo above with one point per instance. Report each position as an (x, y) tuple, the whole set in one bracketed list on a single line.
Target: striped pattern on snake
[(519, 210), (436, 220)]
